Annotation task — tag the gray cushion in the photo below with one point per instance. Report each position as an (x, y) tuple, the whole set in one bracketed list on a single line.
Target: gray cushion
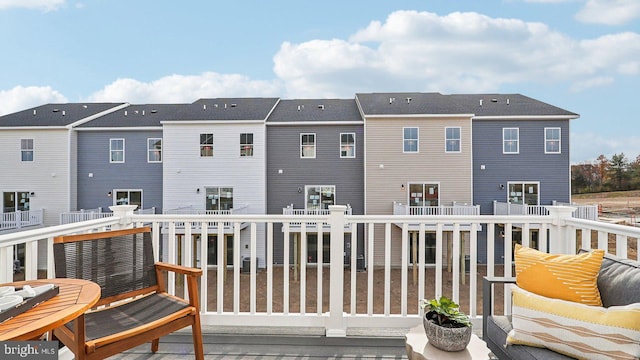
[(619, 281), (499, 326)]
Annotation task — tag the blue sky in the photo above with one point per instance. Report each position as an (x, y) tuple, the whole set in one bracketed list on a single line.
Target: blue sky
[(580, 55)]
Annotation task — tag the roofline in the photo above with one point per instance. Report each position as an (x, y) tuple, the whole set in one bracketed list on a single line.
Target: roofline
[(115, 128), (60, 127), (308, 123), (95, 116), (175, 122), (528, 117), (419, 116)]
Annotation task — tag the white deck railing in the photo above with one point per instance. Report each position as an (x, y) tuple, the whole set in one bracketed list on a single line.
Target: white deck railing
[(92, 214), (385, 296), (455, 209), (21, 219), (589, 212)]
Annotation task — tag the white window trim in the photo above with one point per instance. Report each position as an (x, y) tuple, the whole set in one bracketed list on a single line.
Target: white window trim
[(150, 149), (354, 145), (115, 196), (200, 145), (252, 146), (32, 150), (315, 146), (417, 139), (523, 183), (306, 194), (112, 150), (559, 140), (517, 140), (459, 140), (423, 183)]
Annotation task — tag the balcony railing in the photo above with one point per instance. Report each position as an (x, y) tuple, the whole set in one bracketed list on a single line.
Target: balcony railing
[(455, 209), (589, 212), (12, 221), (384, 296), (92, 214), (311, 225)]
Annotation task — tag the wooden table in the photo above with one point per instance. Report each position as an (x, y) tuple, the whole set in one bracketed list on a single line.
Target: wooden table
[(418, 348), (75, 297)]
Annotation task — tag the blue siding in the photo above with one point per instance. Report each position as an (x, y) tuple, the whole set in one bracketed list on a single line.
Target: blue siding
[(531, 165), (134, 173), (283, 152)]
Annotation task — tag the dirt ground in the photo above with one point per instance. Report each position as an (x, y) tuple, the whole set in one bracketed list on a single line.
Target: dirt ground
[(616, 205)]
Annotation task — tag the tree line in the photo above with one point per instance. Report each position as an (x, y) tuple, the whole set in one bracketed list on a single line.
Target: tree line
[(603, 174)]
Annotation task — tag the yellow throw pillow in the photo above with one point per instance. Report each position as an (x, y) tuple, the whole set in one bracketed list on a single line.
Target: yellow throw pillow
[(566, 277), (573, 329)]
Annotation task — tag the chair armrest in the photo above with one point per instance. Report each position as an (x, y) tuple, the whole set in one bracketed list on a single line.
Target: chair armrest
[(189, 271), (192, 281), (487, 296)]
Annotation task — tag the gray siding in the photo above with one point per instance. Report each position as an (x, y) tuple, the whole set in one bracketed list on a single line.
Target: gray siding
[(552, 171), (283, 152), (134, 173)]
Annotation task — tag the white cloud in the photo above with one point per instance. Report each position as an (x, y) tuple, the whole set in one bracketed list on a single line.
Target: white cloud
[(45, 5), (583, 145), (591, 83), (458, 52), (20, 98), (185, 88), (609, 12)]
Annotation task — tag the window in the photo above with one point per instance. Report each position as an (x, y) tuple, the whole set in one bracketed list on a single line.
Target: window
[(410, 140), (154, 150), (206, 145), (116, 150), (128, 197), (308, 146), (219, 198), (523, 193), (26, 149), (429, 249), (246, 144), (510, 140), (319, 197), (13, 201), (347, 145), (452, 139), (423, 194), (552, 140)]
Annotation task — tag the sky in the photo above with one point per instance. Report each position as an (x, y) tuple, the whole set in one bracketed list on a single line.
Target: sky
[(580, 55)]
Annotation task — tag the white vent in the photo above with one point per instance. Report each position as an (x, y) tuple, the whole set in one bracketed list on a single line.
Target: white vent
[(321, 107)]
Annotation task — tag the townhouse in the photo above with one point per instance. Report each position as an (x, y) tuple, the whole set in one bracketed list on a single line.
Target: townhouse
[(314, 159), (379, 153)]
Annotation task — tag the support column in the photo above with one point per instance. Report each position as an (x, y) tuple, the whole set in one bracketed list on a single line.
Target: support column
[(336, 326), (558, 240)]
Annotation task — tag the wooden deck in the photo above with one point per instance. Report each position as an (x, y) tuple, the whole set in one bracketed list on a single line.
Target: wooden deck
[(178, 346)]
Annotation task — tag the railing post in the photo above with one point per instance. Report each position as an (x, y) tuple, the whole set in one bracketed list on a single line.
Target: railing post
[(123, 212), (335, 325), (558, 240)]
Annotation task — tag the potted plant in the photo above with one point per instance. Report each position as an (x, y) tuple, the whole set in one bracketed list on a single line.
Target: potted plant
[(447, 328)]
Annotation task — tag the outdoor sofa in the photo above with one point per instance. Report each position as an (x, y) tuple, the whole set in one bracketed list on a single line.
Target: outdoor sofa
[(618, 282)]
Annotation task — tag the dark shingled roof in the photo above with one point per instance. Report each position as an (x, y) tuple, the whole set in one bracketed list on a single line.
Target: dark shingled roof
[(408, 104), (227, 109), (438, 104), (314, 110), (507, 105), (142, 115), (54, 114)]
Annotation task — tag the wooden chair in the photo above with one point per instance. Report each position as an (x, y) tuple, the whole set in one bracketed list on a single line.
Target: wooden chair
[(137, 309)]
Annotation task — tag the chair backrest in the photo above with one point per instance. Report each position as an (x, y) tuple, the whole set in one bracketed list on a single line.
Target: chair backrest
[(120, 261)]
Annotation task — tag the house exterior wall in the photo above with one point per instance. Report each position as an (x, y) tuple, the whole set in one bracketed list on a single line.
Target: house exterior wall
[(185, 170), (47, 176), (97, 176), (387, 168), (327, 168), (531, 164)]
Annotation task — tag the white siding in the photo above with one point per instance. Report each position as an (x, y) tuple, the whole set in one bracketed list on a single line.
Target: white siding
[(47, 176), (185, 171)]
